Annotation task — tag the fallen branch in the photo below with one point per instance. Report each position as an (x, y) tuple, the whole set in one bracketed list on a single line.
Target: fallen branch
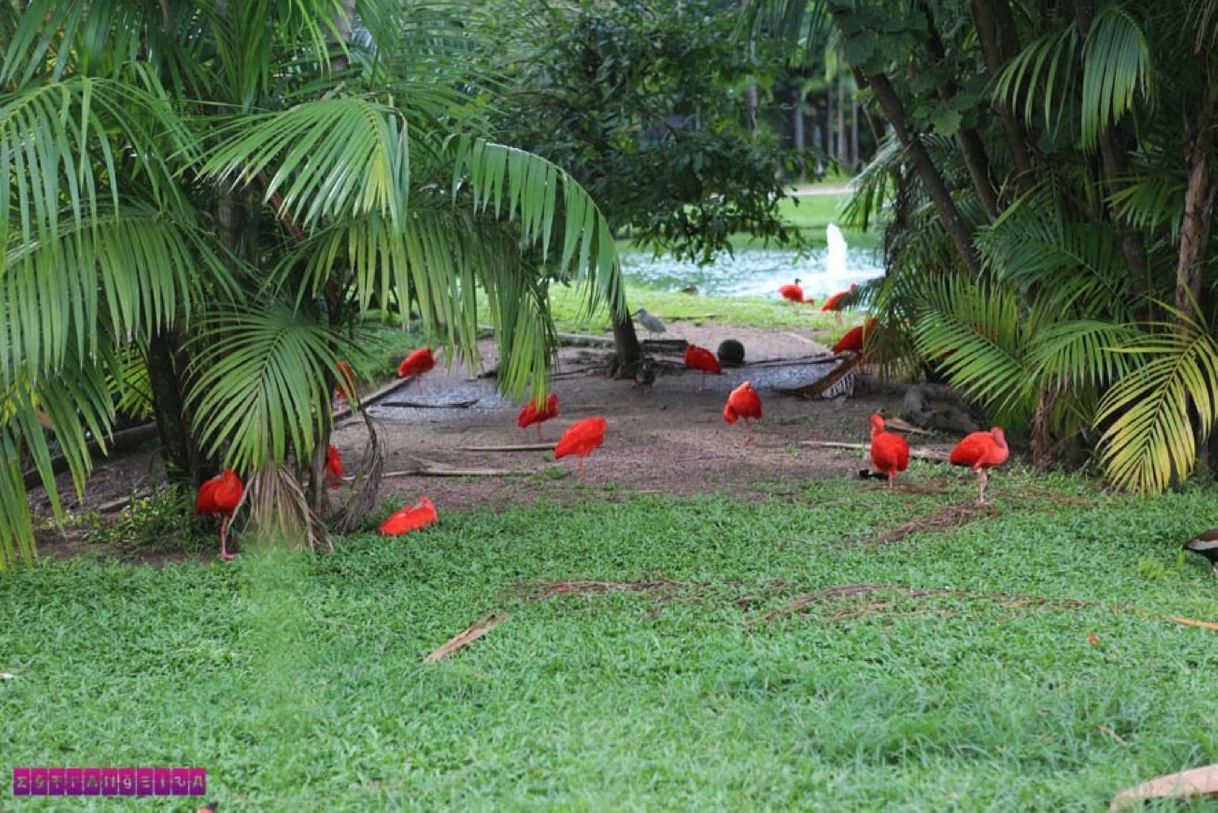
[(950, 516), (463, 639), (583, 340), (918, 452), (1200, 782), (421, 405), (521, 447)]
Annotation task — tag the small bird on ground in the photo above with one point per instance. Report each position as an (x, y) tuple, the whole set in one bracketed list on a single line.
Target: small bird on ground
[(854, 338), (981, 451), (220, 496), (692, 290), (410, 518), (838, 301), (645, 377), (334, 466), (581, 438), (703, 360), (532, 413), (743, 402), (794, 294), (415, 364), (1206, 544), (889, 451), (654, 325)]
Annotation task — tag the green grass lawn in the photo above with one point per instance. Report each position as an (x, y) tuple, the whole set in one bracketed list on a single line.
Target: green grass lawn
[(298, 681)]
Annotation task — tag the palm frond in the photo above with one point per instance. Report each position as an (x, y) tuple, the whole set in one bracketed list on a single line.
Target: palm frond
[(1117, 66), (1043, 71)]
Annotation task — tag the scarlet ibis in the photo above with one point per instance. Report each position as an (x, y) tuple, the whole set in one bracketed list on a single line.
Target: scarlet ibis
[(743, 402), (1206, 544), (410, 518), (346, 381), (334, 466), (793, 293), (889, 451), (699, 358), (220, 496), (530, 413), (650, 322), (417, 363), (854, 338), (838, 301), (981, 451), (581, 438)]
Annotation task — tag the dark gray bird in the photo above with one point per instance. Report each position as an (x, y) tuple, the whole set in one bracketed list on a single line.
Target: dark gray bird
[(645, 377), (650, 322), (1206, 544), (692, 290)]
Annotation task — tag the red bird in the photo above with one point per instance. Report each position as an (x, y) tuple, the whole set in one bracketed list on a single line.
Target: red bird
[(854, 338), (699, 358), (531, 414), (743, 402), (889, 451), (794, 294), (346, 381), (334, 466), (417, 363), (581, 438), (410, 518), (220, 496), (981, 451), (838, 301)]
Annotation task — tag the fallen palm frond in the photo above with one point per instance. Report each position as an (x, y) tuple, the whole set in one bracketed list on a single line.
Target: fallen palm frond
[(947, 517), (467, 636)]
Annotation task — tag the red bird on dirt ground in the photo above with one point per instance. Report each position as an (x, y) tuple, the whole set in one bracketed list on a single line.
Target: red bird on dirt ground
[(220, 496), (581, 438), (346, 381), (530, 413), (981, 451), (410, 518), (417, 363), (334, 466), (743, 402), (838, 301), (889, 451), (703, 360), (854, 338), (794, 294)]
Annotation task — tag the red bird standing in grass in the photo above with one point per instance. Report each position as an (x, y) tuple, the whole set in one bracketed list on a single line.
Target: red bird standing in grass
[(699, 358), (794, 294), (838, 301), (854, 338), (581, 438), (410, 518), (889, 451), (417, 363), (743, 402), (531, 414), (981, 451), (334, 466), (220, 496)]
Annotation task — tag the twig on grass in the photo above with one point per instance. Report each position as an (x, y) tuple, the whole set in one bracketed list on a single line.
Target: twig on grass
[(466, 637)]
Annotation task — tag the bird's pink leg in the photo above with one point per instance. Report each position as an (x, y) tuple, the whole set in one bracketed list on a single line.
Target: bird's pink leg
[(702, 383), (892, 479), (749, 427), (539, 431), (582, 474), (418, 380), (224, 554), (981, 480)]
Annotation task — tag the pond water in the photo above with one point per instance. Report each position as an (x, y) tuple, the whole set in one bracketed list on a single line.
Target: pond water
[(759, 272)]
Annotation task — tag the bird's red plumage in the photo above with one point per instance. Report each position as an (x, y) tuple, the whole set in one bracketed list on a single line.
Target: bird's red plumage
[(417, 363), (889, 451), (346, 380), (699, 358), (981, 450), (531, 414), (334, 463), (836, 301), (220, 495), (410, 518), (792, 293), (854, 338), (743, 402), (581, 438)]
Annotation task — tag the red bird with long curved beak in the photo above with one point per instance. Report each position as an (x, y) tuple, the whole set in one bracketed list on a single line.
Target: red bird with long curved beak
[(889, 451), (838, 301), (743, 402), (794, 294), (854, 338), (220, 496), (334, 466), (532, 413), (581, 438), (703, 360), (415, 364), (410, 518), (981, 451)]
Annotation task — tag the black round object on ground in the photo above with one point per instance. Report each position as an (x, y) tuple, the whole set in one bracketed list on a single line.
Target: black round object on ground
[(731, 353)]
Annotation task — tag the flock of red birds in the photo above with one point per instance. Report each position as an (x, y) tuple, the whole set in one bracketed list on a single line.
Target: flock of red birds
[(980, 451)]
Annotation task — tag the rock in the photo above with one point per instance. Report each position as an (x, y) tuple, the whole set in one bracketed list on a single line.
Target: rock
[(731, 353), (935, 406)]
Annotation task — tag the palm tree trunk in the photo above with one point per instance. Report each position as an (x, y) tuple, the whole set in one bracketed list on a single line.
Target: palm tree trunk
[(890, 103), (1198, 211), (854, 131), (996, 32), (629, 351), (184, 461), (842, 157)]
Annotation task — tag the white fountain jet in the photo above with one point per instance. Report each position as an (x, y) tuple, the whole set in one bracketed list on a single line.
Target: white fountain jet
[(835, 257)]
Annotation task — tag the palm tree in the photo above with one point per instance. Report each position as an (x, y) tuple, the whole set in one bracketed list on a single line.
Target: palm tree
[(201, 200)]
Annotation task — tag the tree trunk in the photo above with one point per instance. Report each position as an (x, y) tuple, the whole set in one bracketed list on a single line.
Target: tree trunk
[(890, 103), (842, 157), (798, 136), (996, 32), (629, 351), (184, 461), (830, 153), (1042, 431), (1198, 211), (854, 131)]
